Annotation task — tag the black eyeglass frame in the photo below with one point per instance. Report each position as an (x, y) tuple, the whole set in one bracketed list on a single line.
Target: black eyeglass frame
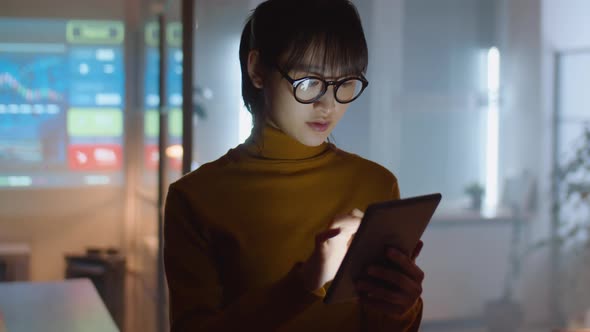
[(336, 84)]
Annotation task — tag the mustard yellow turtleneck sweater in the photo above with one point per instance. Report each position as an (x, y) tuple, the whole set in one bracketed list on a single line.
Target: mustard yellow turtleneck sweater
[(236, 227)]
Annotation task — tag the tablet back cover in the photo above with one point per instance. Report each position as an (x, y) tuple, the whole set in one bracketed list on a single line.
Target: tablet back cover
[(398, 223)]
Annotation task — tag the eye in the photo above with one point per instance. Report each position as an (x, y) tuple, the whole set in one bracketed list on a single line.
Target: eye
[(313, 83), (309, 84), (350, 84)]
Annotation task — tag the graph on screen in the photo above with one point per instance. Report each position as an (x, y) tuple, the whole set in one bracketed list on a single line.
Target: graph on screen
[(61, 102)]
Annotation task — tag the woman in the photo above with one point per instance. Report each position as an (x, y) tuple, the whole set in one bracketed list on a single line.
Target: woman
[(253, 239)]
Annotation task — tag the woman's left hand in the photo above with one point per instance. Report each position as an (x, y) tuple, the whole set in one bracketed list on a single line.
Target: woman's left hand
[(394, 287)]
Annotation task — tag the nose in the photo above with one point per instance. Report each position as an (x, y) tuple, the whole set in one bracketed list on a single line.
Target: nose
[(327, 104)]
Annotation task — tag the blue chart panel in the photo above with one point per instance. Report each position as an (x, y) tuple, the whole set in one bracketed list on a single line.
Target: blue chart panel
[(32, 102), (32, 78)]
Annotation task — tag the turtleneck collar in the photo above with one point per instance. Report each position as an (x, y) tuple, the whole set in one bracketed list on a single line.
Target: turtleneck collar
[(272, 143)]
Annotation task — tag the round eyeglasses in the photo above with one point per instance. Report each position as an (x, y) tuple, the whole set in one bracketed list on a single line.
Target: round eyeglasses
[(310, 89)]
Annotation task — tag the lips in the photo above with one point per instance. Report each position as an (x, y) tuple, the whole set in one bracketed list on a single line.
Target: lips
[(319, 126)]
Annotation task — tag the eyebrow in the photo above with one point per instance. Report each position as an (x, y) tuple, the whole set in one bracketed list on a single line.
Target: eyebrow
[(308, 69), (315, 70)]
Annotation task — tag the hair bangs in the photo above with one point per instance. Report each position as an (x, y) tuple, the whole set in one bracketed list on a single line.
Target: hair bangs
[(328, 54), (331, 44), (326, 36)]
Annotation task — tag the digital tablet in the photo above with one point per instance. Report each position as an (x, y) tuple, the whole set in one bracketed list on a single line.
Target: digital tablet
[(398, 223)]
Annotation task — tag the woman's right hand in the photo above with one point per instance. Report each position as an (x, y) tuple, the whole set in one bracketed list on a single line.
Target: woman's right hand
[(330, 247)]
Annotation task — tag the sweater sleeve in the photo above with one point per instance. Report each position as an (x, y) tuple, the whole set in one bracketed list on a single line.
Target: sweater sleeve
[(195, 292), (379, 322)]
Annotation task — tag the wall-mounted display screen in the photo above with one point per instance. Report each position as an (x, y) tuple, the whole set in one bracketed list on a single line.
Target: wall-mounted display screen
[(61, 102)]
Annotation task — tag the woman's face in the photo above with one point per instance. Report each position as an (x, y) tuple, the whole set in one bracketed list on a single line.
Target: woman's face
[(310, 124)]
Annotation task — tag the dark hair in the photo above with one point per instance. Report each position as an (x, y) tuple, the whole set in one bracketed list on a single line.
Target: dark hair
[(296, 30)]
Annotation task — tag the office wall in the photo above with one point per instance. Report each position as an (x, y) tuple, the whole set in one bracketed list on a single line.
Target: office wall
[(566, 24), (93, 219), (107, 9), (217, 68)]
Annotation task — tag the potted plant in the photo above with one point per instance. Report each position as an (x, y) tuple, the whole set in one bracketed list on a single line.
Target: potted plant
[(475, 192), (572, 211), (573, 233)]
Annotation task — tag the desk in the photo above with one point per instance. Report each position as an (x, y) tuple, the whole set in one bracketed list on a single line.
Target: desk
[(467, 257), (66, 306), (468, 217)]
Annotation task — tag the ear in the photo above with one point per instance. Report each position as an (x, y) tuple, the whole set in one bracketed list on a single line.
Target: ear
[(255, 69)]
